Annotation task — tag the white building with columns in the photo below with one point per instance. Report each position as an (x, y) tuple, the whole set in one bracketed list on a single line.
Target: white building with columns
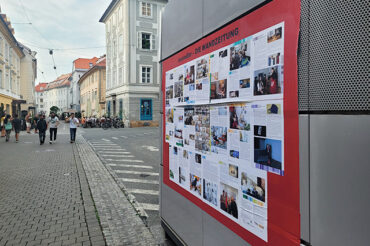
[(133, 49)]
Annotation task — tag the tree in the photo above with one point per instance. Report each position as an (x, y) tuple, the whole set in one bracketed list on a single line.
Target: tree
[(54, 109)]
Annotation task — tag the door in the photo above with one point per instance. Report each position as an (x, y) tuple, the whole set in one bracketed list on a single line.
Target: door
[(146, 109)]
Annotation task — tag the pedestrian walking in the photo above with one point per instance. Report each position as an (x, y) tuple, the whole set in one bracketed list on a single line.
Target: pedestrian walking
[(42, 126), (35, 120), (53, 122), (2, 126), (17, 127), (8, 127), (73, 123), (28, 123)]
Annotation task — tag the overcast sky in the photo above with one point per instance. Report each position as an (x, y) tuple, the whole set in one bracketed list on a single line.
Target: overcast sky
[(59, 24)]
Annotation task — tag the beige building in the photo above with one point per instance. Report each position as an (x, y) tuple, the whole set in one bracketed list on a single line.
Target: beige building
[(28, 77), (10, 68), (92, 89)]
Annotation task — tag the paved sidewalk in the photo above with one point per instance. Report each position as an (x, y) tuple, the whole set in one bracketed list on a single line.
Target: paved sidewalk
[(44, 196), (121, 223)]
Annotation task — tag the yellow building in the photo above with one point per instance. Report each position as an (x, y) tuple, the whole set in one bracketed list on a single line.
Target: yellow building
[(10, 57), (92, 90)]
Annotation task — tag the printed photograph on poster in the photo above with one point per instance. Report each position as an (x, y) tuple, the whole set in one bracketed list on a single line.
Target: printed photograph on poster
[(195, 184), (244, 83), (240, 54), (174, 151), (189, 75), (202, 67), (179, 126), (219, 89), (234, 171), (274, 34), (239, 118), (274, 60), (189, 113), (218, 139), (268, 153), (202, 129), (219, 64), (169, 94), (253, 187), (169, 115), (228, 199), (210, 191), (273, 108), (268, 81), (179, 88)]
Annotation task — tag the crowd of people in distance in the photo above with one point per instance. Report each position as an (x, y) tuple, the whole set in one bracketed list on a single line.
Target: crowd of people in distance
[(40, 123)]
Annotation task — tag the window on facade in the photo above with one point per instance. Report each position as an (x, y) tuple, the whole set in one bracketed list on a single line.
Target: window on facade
[(146, 75), (1, 45), (145, 41), (146, 9), (41, 100)]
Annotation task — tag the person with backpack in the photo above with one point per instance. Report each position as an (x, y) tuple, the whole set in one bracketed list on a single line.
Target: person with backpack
[(17, 127), (53, 122), (8, 127), (42, 126)]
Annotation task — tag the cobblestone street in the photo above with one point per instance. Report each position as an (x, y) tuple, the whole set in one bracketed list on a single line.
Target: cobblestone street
[(61, 194)]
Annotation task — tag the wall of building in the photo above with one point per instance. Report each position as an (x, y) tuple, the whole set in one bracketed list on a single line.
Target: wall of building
[(90, 94), (27, 79)]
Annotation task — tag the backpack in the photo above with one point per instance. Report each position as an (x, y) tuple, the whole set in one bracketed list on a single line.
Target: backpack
[(8, 126)]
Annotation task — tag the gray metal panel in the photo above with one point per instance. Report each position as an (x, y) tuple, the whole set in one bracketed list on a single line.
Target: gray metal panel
[(340, 168), (217, 234), (304, 170), (303, 56), (219, 12), (339, 55), (183, 216), (181, 25)]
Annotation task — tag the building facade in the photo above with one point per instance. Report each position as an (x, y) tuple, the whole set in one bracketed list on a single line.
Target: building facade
[(92, 86), (133, 74), (27, 79), (56, 94), (10, 68), (80, 66), (39, 97)]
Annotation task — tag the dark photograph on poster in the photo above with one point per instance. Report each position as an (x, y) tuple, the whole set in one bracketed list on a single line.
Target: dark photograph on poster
[(273, 108), (178, 89), (189, 116), (169, 92), (219, 89), (260, 131), (219, 137), (268, 152), (240, 55), (274, 34), (233, 94), (253, 186), (228, 200), (268, 81), (245, 83)]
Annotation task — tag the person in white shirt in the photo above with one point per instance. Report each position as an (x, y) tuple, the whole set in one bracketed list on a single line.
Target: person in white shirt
[(73, 123), (53, 122)]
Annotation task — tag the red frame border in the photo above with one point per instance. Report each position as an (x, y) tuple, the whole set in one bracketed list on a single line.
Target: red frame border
[(283, 197)]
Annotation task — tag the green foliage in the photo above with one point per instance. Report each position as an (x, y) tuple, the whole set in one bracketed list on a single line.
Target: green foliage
[(54, 109)]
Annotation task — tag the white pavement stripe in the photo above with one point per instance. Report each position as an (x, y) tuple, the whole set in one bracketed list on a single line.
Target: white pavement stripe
[(100, 149), (145, 192), (136, 172), (106, 140), (142, 181), (113, 152), (125, 160), (124, 137), (104, 144), (150, 206), (123, 156), (114, 138), (125, 165)]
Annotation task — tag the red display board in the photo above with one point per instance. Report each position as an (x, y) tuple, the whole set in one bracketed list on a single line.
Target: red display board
[(283, 210)]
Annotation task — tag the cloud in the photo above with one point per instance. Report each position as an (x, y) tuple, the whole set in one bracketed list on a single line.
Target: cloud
[(62, 24)]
